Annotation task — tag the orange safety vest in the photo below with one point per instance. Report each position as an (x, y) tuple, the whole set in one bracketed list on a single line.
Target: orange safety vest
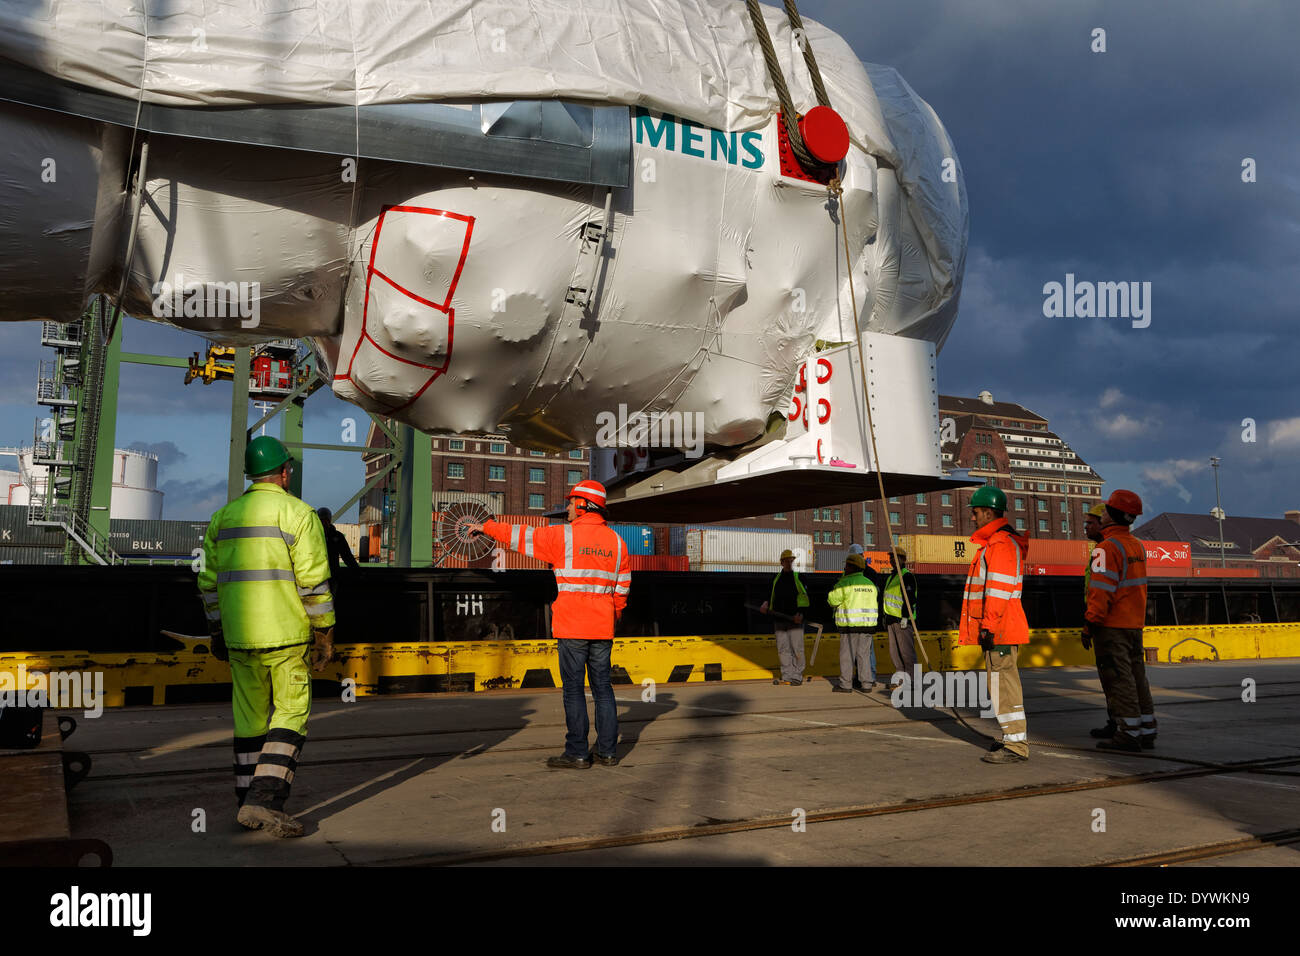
[(1117, 590), (592, 572), (994, 585)]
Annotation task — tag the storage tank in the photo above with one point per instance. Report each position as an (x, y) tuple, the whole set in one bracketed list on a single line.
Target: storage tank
[(135, 486)]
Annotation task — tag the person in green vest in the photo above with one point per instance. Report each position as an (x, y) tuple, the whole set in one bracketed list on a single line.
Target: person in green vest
[(856, 600), (265, 585), (902, 646), (785, 604)]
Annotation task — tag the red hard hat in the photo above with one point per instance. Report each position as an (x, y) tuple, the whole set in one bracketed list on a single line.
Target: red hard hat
[(1125, 501), (592, 491)]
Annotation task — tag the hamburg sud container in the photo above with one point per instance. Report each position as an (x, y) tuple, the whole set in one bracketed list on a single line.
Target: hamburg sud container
[(738, 549)]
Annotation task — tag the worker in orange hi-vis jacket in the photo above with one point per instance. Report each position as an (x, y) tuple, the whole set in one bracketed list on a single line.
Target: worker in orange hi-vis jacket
[(1117, 612), (993, 618), (593, 576)]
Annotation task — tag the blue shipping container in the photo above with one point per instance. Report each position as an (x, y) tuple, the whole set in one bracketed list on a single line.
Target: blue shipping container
[(639, 538)]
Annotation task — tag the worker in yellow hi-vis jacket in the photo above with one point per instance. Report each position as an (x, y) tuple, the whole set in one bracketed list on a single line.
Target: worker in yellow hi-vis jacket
[(265, 584)]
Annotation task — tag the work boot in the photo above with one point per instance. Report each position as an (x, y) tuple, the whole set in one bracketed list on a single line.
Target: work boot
[(1122, 743), (1003, 755), (1104, 733), (837, 689), (796, 682), (1148, 741), (610, 760), (275, 822), (565, 762)]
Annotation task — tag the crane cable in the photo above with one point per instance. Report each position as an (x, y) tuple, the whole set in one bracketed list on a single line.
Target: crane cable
[(788, 114)]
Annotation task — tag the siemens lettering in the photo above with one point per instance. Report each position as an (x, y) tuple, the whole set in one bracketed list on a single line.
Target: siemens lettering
[(683, 136)]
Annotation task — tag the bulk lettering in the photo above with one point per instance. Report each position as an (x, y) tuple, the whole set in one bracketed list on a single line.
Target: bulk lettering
[(692, 139)]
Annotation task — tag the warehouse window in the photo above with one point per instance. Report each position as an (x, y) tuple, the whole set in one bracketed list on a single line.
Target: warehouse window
[(575, 476), (838, 538), (1042, 505), (869, 516), (1042, 486), (779, 516), (984, 463), (895, 518), (893, 500), (536, 476), (920, 499), (1020, 524), (576, 454), (496, 472), (1064, 508), (1020, 486), (497, 448), (837, 514), (535, 503), (456, 444), (922, 521), (1065, 527), (1020, 504), (869, 538), (455, 469), (895, 539), (947, 521), (947, 500), (1042, 524), (538, 454)]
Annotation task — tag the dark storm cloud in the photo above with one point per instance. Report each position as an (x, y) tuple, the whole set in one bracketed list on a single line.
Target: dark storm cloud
[(167, 452), (1123, 166)]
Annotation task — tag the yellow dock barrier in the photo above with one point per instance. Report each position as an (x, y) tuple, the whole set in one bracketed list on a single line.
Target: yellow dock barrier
[(192, 674)]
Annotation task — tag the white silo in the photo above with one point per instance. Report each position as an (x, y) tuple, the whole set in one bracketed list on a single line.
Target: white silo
[(135, 479)]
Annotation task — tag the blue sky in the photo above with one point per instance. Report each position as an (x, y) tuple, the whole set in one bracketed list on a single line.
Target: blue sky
[(1117, 166)]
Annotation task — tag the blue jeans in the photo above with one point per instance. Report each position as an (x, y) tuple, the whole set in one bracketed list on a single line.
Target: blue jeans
[(593, 657)]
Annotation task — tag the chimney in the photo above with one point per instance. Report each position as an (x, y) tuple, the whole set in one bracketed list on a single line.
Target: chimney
[(1292, 515), (986, 397)]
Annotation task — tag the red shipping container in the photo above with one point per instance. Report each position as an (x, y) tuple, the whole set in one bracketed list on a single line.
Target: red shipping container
[(940, 569), (1225, 572), (1061, 570), (1168, 554), (659, 562), (1047, 551)]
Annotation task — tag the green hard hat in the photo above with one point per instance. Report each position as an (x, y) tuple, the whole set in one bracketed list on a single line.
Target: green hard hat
[(264, 456), (989, 496)]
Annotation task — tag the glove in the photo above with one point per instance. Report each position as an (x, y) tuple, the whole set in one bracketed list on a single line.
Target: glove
[(1087, 636), (322, 648), (986, 639)]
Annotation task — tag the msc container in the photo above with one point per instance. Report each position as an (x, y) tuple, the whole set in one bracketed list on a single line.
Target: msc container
[(936, 548), (639, 538), (755, 550), (1047, 551)]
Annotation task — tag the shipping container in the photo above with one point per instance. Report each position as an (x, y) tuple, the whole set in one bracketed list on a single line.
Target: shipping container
[(1168, 554), (507, 560), (1061, 570), (138, 538), (1048, 551), (940, 568), (659, 562), (352, 534), (639, 538), (1225, 572), (16, 532), (832, 559), (757, 550), (936, 548)]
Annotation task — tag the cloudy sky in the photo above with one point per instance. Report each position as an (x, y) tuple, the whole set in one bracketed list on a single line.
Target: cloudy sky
[(1122, 166)]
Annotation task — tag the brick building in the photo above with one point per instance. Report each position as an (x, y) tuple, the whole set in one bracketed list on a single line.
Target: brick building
[(1049, 488), (488, 469)]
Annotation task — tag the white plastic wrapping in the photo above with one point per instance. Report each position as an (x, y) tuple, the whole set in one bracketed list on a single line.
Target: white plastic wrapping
[(439, 296)]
